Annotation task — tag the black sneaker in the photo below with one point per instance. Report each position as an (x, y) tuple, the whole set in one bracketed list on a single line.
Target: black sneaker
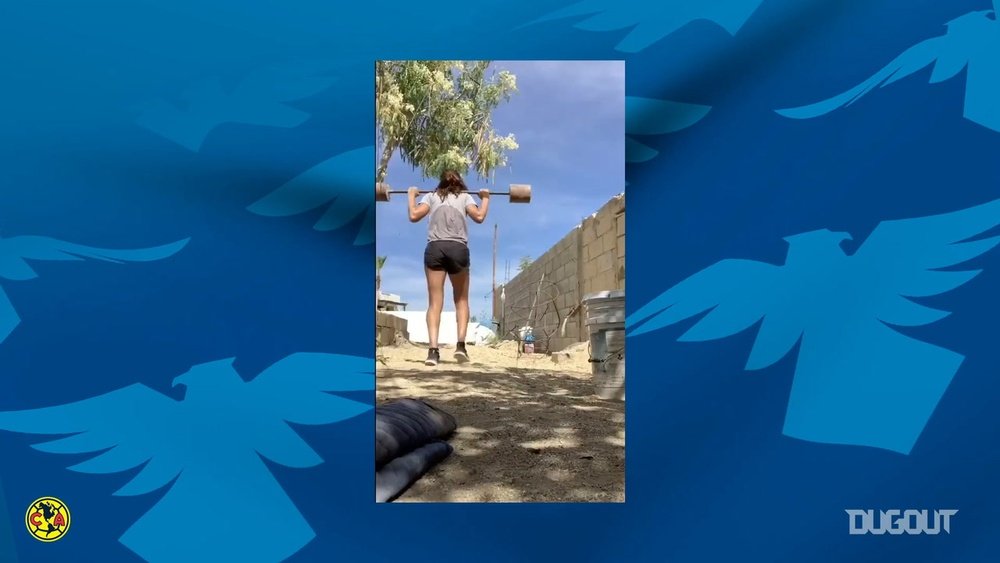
[(461, 355), (433, 357)]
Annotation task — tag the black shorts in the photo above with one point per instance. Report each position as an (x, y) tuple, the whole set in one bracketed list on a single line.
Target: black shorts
[(447, 255)]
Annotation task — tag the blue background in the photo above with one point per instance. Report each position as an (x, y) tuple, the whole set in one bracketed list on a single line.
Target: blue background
[(710, 476)]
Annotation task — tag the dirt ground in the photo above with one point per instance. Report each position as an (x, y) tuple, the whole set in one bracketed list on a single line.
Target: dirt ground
[(529, 429)]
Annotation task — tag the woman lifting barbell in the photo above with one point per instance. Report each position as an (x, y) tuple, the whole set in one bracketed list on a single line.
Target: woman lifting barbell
[(447, 253)]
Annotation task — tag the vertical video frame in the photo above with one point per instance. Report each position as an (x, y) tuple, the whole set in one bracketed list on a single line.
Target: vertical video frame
[(500, 281)]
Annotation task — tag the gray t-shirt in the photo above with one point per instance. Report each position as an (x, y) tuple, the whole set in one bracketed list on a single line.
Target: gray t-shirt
[(446, 220)]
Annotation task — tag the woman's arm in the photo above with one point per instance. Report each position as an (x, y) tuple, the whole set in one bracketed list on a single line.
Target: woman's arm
[(417, 210), (478, 212)]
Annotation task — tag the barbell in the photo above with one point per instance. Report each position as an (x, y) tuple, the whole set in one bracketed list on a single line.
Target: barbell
[(519, 193)]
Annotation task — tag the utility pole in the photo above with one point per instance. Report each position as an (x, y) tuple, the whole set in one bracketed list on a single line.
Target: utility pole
[(493, 294)]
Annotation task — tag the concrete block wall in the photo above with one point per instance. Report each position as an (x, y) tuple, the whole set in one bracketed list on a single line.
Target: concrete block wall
[(603, 240), (588, 259), (559, 266), (387, 326)]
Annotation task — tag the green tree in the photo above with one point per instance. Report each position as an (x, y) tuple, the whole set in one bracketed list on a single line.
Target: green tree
[(525, 262), (438, 115)]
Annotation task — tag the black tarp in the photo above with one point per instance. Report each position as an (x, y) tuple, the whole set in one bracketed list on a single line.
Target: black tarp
[(409, 436)]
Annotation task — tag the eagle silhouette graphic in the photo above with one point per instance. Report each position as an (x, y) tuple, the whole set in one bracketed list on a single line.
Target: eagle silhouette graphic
[(261, 98), (651, 21), (858, 381), (209, 448), (339, 184), (971, 43), (649, 116), (16, 252)]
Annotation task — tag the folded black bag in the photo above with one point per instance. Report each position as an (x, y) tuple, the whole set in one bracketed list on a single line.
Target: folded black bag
[(408, 442), (397, 475), (404, 425)]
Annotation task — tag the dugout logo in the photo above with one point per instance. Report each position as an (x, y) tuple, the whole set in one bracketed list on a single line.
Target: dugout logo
[(47, 519), (896, 522)]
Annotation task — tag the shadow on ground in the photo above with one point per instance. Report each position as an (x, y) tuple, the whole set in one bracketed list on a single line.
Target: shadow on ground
[(524, 435)]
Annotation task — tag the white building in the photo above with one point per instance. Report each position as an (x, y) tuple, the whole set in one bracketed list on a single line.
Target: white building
[(390, 302), (416, 325)]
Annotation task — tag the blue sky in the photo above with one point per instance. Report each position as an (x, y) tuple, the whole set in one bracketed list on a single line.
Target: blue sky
[(569, 119)]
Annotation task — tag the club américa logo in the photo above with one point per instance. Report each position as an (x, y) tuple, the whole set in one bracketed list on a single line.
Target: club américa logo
[(47, 519)]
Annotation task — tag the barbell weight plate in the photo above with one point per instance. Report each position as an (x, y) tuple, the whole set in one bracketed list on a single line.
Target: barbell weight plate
[(520, 193)]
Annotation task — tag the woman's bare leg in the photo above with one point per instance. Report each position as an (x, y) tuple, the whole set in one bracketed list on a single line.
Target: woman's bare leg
[(460, 286), (435, 303)]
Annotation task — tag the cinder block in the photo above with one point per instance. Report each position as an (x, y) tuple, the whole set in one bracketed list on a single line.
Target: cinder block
[(567, 285), (596, 265), (611, 279), (620, 224), (601, 283), (559, 274), (603, 224), (572, 333), (570, 272), (620, 247), (610, 284), (609, 242), (605, 261)]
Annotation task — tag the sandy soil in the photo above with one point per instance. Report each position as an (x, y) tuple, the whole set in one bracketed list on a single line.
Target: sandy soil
[(529, 429)]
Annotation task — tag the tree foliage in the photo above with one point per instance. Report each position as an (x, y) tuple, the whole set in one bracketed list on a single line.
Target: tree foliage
[(438, 115), (379, 264)]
